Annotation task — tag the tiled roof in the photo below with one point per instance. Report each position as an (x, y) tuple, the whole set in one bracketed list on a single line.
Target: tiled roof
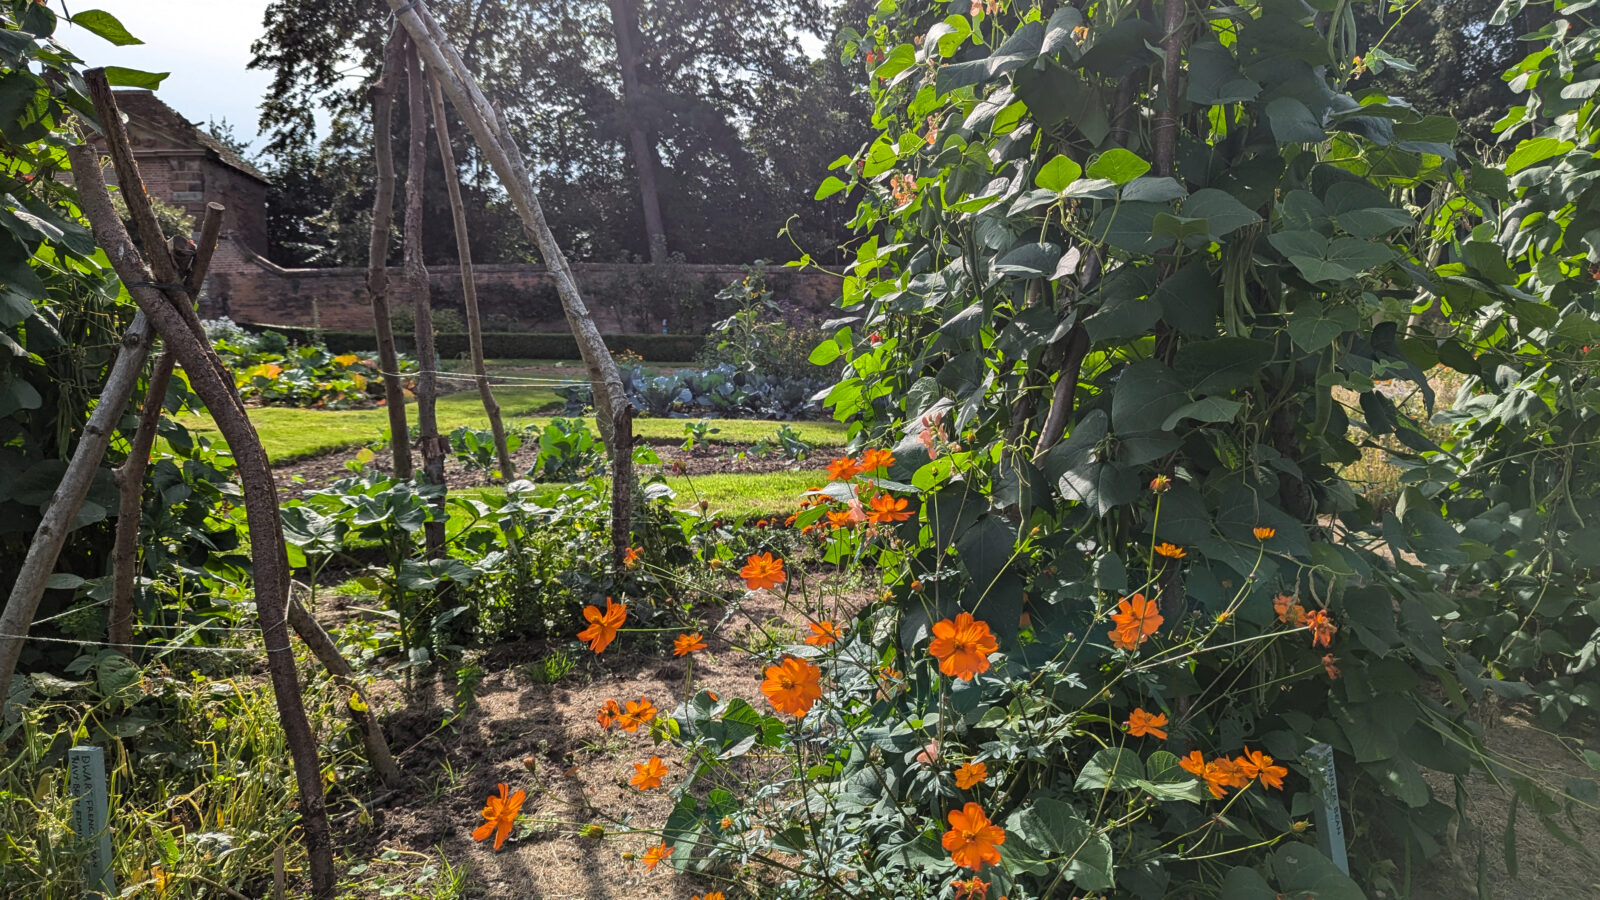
[(146, 107)]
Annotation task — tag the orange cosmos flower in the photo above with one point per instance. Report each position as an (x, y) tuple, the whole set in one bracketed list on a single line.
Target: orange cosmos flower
[(1170, 551), (887, 509), (1328, 660), (630, 557), (603, 627), (655, 855), (1161, 484), (971, 774), (843, 469), (1141, 723), (1263, 533), (648, 775), (762, 571), (875, 460), (962, 646), (714, 895), (1219, 774), (792, 686), (972, 838), (685, 644), (1136, 619), (971, 889), (639, 713), (842, 518), (609, 713), (1258, 765), (498, 813), (823, 633), (1322, 628), (1289, 610)]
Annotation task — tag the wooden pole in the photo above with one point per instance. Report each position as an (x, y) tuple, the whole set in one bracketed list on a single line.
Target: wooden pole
[(469, 287), (622, 487), (382, 96), (170, 312), (503, 156), (422, 301), (130, 475)]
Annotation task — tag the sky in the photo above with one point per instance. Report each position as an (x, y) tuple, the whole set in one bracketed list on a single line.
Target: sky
[(205, 44)]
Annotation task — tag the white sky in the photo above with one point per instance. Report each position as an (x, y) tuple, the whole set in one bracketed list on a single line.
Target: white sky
[(205, 44)]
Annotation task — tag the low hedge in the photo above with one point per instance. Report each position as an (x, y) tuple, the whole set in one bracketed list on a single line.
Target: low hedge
[(507, 344)]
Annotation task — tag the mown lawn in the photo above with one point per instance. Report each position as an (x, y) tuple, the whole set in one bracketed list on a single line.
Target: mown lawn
[(291, 434), (733, 496)]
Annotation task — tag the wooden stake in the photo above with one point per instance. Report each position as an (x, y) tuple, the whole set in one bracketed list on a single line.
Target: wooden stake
[(433, 450), (378, 256), (469, 287), (622, 487), (130, 475), (172, 316)]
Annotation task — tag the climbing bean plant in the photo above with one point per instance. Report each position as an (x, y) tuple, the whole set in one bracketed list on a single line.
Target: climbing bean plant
[(1136, 281)]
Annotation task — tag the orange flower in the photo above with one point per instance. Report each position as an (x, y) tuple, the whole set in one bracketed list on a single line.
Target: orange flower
[(1322, 628), (603, 627), (972, 838), (630, 557), (1170, 551), (875, 460), (971, 889), (648, 775), (792, 686), (962, 646), (685, 644), (762, 571), (1136, 619), (1258, 765), (1263, 533), (498, 813), (655, 855), (1219, 774), (843, 469), (1328, 660), (609, 713), (823, 633), (842, 518), (1161, 484), (714, 895), (1289, 610), (971, 774), (639, 713), (1141, 723), (887, 509)]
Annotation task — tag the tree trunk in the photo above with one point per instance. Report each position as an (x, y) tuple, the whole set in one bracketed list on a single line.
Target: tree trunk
[(502, 154), (130, 475), (378, 255), (469, 287), (421, 297), (1165, 131), (625, 26), (68, 498), (169, 311)]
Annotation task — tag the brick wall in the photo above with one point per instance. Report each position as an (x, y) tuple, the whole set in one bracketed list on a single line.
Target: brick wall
[(624, 299)]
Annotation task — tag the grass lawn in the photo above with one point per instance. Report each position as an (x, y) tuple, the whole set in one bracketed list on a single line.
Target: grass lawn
[(290, 434), (765, 494)]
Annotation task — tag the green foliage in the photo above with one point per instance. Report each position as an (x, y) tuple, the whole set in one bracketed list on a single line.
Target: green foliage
[(475, 449), (1042, 245), (761, 335), (514, 345), (270, 371), (568, 451)]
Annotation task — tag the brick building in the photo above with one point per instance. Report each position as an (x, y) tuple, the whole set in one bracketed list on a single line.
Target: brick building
[(186, 167)]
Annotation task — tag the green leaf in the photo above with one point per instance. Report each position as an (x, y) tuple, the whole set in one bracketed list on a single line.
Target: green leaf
[(135, 78), (1029, 261), (1047, 830), (1293, 123), (1057, 174), (1210, 409), (104, 24), (830, 186), (1118, 166), (1222, 365), (1223, 213), (1102, 486), (1147, 393), (1533, 151), (1313, 329), (1113, 768), (1214, 77)]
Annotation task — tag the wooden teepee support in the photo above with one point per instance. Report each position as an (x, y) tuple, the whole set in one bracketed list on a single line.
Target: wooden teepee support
[(469, 287), (503, 156), (382, 96)]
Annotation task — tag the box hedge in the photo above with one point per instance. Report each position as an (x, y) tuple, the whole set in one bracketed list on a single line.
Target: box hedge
[(507, 345)]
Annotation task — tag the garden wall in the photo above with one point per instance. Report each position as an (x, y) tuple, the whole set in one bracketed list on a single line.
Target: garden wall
[(624, 299)]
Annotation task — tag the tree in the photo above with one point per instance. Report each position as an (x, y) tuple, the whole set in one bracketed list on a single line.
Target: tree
[(706, 72)]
